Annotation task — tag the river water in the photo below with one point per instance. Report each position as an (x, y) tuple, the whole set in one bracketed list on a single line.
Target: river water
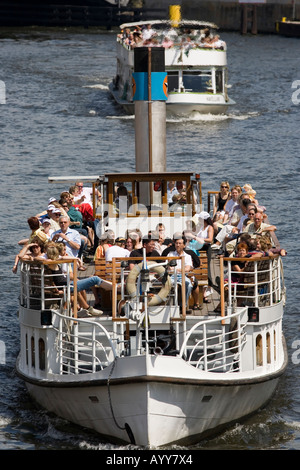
[(59, 119)]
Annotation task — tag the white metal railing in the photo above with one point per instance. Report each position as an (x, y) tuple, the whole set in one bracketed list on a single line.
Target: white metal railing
[(38, 291), (82, 346), (260, 284), (215, 346)]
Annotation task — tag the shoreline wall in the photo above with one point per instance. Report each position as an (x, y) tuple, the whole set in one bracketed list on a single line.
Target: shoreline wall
[(228, 14)]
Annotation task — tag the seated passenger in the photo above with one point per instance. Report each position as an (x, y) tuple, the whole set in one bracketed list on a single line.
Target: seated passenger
[(188, 266), (60, 280), (221, 218), (149, 245), (265, 244), (117, 250), (35, 227), (46, 228), (230, 230), (205, 230), (131, 241), (123, 200), (171, 191), (106, 240), (129, 41), (239, 266), (32, 251), (221, 199), (258, 226), (167, 43), (138, 40), (148, 32)]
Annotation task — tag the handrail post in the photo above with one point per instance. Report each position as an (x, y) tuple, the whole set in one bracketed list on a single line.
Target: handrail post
[(114, 288), (255, 284), (222, 299), (75, 288), (183, 290)]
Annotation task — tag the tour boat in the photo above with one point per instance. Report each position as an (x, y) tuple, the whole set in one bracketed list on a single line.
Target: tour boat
[(148, 371), (197, 71)]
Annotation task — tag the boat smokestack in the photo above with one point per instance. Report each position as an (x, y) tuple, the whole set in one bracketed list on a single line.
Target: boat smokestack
[(175, 15), (149, 96)]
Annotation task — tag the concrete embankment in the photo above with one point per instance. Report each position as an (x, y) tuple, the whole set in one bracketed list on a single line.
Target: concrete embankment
[(231, 15)]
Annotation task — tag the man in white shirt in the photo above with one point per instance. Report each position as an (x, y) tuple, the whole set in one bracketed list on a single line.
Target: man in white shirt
[(171, 191), (188, 266), (85, 194), (117, 250)]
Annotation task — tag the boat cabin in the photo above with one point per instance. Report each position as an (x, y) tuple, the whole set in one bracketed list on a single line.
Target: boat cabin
[(131, 200)]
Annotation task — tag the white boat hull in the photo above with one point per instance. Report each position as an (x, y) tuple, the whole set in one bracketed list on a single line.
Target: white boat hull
[(182, 106), (150, 410)]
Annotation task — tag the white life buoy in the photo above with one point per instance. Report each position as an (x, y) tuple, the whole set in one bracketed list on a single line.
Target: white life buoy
[(157, 298)]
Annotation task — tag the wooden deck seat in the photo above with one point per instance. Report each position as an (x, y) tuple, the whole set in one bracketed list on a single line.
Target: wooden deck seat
[(103, 269)]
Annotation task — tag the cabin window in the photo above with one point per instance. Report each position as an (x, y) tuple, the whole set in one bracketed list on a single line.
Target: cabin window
[(197, 82), (123, 197), (32, 352), (259, 351), (172, 81), (268, 348), (42, 354), (219, 81), (26, 348)]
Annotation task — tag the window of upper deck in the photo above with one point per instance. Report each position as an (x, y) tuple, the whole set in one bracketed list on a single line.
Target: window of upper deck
[(123, 196), (197, 82), (219, 81)]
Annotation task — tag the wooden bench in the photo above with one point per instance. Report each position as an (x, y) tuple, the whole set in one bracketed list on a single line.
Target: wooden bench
[(103, 269)]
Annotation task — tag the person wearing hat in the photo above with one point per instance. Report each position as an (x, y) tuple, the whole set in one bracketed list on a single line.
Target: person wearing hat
[(54, 215), (46, 227), (32, 251), (117, 250), (205, 229)]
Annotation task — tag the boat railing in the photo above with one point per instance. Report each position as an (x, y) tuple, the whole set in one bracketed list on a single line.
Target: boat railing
[(40, 292), (259, 284), (214, 345), (82, 345)]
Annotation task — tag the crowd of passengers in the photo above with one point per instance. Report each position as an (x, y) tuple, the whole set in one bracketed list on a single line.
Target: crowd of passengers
[(237, 227), (147, 36)]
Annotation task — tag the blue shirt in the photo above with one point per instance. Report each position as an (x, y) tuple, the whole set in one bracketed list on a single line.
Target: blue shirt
[(72, 235)]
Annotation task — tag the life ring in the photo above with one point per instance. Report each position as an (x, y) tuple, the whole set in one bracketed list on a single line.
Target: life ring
[(157, 298)]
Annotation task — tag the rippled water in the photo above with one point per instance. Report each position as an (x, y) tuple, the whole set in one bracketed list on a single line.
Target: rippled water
[(60, 120)]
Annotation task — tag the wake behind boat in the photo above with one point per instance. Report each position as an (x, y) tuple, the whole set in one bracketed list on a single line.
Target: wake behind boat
[(195, 61)]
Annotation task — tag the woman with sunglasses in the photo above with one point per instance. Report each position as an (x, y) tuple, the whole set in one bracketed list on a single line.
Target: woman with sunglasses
[(220, 202)]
